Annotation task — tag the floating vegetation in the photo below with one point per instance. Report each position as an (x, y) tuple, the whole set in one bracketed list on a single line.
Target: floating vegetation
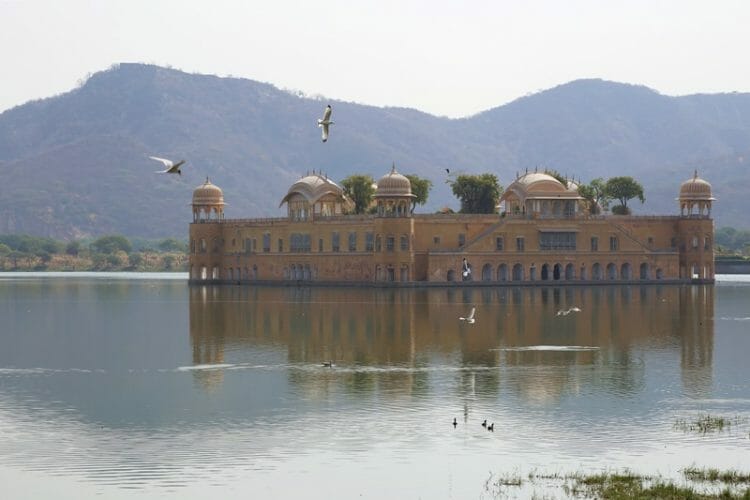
[(503, 480), (622, 485), (705, 424), (715, 475)]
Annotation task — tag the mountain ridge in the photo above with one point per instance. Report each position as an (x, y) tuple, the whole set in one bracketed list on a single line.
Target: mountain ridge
[(78, 162)]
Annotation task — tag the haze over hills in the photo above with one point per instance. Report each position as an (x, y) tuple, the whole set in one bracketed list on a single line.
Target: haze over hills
[(77, 164)]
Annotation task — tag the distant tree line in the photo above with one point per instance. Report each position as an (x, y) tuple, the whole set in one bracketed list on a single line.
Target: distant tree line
[(107, 253), (731, 241)]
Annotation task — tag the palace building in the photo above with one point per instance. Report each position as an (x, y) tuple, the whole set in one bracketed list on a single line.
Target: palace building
[(544, 235)]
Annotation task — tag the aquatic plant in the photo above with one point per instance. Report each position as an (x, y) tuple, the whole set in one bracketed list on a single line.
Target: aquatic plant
[(704, 424), (715, 475), (626, 484)]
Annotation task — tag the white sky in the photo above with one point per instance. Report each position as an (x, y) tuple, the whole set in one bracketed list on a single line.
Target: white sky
[(452, 58)]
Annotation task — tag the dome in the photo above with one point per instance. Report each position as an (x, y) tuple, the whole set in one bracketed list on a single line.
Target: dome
[(313, 188), (695, 189), (539, 185), (393, 184), (208, 194), (539, 182)]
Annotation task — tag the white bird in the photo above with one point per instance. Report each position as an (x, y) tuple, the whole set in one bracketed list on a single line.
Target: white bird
[(172, 167), (324, 122), (470, 318), (565, 312)]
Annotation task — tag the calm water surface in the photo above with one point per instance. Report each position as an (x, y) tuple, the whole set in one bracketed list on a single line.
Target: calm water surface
[(120, 386)]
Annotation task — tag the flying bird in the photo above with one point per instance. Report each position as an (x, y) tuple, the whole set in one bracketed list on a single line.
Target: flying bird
[(172, 167), (324, 122), (565, 312), (470, 318)]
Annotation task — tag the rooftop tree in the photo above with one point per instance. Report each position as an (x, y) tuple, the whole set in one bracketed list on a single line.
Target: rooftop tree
[(359, 188), (420, 188), (479, 194), (595, 195), (623, 189)]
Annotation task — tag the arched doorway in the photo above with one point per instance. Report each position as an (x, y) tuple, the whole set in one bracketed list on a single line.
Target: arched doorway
[(611, 271), (596, 271), (517, 272), (502, 272), (570, 272), (557, 272), (626, 271), (451, 275), (545, 272), (487, 272), (645, 272)]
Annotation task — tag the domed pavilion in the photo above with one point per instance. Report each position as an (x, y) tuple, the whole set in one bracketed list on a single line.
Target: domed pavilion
[(695, 197), (393, 195), (208, 202), (315, 196), (539, 194)]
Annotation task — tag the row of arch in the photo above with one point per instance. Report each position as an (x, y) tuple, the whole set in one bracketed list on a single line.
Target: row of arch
[(560, 272), (232, 273), (489, 272)]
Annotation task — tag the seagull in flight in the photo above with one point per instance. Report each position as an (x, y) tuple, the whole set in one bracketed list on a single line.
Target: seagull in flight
[(565, 312), (470, 318), (324, 122), (172, 167)]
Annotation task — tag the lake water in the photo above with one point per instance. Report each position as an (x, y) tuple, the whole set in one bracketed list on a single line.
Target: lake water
[(122, 386)]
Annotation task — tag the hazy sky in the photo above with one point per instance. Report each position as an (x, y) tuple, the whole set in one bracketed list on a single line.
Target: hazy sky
[(452, 58)]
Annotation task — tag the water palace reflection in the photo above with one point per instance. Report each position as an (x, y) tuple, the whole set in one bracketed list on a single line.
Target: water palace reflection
[(413, 330)]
